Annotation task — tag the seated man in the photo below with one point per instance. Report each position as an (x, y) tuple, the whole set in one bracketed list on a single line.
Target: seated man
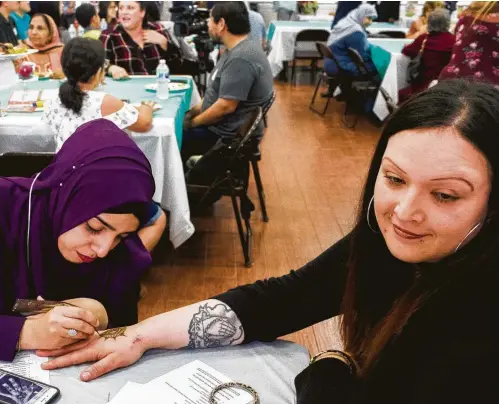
[(135, 45), (8, 32), (88, 18), (240, 81)]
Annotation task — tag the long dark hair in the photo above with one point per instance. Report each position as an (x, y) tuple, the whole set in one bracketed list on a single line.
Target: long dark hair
[(379, 299), (81, 59)]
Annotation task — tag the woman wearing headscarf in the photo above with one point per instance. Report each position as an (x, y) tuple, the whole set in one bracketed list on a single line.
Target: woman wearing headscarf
[(76, 230), (435, 48), (43, 36), (350, 32)]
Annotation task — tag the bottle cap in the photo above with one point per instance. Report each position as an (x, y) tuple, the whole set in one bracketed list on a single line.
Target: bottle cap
[(162, 61)]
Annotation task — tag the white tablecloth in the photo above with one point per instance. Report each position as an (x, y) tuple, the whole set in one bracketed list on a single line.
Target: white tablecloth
[(269, 368), (396, 75), (27, 133)]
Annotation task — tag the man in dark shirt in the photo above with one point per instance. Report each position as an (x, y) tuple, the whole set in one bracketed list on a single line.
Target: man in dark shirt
[(241, 81), (8, 32)]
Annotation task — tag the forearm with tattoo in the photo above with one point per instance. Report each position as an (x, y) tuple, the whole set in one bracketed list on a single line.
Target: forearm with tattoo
[(214, 326)]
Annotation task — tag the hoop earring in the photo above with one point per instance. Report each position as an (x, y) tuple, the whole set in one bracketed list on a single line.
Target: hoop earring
[(368, 221), (467, 235)]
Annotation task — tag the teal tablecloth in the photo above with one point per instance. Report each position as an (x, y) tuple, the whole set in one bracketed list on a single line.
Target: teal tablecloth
[(132, 90), (382, 49), (300, 24)]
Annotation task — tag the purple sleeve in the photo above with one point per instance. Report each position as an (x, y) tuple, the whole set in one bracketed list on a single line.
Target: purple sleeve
[(11, 329)]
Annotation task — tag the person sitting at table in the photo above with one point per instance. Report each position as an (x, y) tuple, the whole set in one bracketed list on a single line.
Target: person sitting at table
[(83, 227), (8, 32), (350, 32), (436, 48), (43, 36), (22, 19), (88, 18), (420, 26), (476, 51), (420, 263), (135, 45), (78, 102), (241, 81), (108, 13)]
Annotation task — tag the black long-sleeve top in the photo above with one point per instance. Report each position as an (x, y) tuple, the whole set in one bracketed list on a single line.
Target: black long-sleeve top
[(446, 353)]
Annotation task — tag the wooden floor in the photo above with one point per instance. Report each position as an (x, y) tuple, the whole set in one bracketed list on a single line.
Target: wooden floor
[(312, 169)]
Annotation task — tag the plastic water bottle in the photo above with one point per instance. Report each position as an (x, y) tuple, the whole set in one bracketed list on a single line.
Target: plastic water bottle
[(162, 80), (103, 24), (72, 31)]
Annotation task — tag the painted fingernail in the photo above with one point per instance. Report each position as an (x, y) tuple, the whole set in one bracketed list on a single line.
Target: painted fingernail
[(85, 376)]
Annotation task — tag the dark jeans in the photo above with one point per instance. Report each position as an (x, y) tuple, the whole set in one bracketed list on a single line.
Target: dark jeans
[(197, 141)]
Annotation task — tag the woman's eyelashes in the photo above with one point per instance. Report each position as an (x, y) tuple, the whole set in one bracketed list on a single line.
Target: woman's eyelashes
[(440, 197), (393, 180), (91, 230)]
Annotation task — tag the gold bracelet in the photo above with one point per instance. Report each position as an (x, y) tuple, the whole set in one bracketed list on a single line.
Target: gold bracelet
[(345, 358)]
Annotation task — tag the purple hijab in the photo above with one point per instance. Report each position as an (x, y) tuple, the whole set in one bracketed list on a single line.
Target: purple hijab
[(98, 168)]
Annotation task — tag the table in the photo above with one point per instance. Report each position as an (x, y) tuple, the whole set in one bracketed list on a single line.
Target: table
[(282, 35), (27, 133), (269, 368), (395, 77)]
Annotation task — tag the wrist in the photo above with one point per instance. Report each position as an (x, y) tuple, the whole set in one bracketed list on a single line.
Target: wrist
[(26, 337), (164, 43), (195, 122), (338, 355), (141, 335)]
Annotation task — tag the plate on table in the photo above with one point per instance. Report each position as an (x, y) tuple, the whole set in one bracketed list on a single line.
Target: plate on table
[(156, 107), (172, 86), (15, 56)]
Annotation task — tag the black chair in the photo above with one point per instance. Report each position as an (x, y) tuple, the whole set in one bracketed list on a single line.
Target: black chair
[(305, 48), (267, 106), (23, 164), (390, 103), (268, 48), (388, 34), (341, 77), (230, 178), (364, 86)]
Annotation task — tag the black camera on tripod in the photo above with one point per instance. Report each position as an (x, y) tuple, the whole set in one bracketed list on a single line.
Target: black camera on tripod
[(190, 20)]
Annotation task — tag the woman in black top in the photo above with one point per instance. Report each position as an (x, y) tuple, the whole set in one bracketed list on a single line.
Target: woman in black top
[(416, 280)]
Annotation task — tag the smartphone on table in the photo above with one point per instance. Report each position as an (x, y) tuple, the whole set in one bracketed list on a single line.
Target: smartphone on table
[(16, 389)]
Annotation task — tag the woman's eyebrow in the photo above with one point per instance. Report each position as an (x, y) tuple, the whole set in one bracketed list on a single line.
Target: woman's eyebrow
[(391, 161), (105, 223), (457, 179)]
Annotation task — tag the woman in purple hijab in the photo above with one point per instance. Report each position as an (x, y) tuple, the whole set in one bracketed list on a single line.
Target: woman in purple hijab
[(72, 231)]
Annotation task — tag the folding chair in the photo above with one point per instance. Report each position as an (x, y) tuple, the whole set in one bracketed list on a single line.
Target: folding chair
[(231, 179), (267, 107), (305, 48), (362, 88), (341, 78), (388, 34)]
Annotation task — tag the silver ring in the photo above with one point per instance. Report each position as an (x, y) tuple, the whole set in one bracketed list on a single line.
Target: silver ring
[(72, 332), (245, 387)]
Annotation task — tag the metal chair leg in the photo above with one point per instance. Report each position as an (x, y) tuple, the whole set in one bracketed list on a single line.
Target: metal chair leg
[(259, 187), (244, 238), (293, 72)]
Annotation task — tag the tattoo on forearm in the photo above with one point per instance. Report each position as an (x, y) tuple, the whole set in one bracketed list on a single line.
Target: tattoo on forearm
[(214, 326), (113, 333)]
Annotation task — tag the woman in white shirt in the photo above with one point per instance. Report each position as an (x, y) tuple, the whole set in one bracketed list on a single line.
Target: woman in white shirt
[(83, 64)]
